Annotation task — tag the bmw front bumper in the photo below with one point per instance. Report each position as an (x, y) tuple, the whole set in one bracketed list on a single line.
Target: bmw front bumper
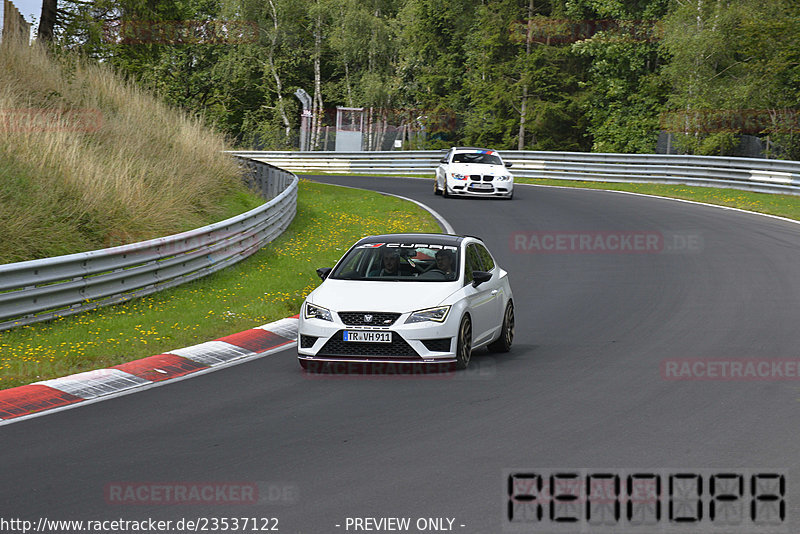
[(495, 188)]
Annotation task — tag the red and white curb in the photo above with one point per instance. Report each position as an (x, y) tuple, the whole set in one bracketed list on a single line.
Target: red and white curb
[(63, 392)]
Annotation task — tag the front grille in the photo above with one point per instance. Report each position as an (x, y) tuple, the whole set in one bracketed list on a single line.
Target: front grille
[(398, 348), (377, 318), (437, 345), (478, 177), (307, 341)]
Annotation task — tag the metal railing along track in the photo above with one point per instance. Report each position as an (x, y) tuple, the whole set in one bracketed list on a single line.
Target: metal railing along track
[(39, 290), (764, 175)]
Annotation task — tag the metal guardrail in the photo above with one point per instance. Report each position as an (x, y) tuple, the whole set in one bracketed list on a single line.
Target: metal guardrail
[(43, 289), (39, 290), (763, 175)]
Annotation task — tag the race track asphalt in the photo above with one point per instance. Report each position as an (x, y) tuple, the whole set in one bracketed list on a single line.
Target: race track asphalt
[(586, 387)]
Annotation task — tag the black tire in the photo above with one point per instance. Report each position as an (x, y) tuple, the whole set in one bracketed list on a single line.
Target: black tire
[(436, 190), (464, 343), (503, 343), (445, 194)]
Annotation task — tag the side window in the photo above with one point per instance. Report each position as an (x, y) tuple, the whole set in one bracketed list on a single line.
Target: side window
[(472, 262), (486, 258), (373, 262)]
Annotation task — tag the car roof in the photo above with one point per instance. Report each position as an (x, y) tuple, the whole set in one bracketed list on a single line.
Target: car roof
[(436, 239), (472, 148)]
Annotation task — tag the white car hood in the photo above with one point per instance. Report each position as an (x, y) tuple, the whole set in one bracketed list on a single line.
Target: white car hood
[(390, 296), (477, 168)]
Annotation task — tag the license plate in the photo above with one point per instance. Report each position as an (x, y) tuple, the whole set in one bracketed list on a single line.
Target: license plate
[(367, 336), (481, 186)]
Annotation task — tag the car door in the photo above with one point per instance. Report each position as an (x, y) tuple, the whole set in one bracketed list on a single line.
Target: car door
[(481, 300), (496, 288)]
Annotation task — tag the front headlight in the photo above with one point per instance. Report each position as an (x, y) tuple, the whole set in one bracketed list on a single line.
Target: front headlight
[(456, 176), (317, 312), (504, 178), (437, 314)]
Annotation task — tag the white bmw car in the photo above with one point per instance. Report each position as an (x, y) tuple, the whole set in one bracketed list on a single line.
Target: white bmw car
[(473, 172), (409, 299)]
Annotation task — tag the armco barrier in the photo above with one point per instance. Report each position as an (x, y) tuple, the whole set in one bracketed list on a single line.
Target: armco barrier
[(38, 290), (770, 176)]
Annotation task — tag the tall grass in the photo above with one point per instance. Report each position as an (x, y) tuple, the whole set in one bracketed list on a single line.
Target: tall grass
[(88, 160)]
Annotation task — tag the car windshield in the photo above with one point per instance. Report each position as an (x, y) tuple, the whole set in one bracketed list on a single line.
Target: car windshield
[(486, 157), (405, 262)]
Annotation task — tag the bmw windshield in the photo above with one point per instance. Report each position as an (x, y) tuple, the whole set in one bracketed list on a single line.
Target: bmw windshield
[(485, 158), (406, 262)]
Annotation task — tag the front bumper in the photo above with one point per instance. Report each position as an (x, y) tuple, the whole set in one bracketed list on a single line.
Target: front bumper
[(418, 343), (495, 189)]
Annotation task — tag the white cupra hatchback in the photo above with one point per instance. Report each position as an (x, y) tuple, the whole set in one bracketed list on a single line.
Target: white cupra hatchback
[(410, 299)]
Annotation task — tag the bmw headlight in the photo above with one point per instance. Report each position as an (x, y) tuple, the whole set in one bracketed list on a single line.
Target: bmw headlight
[(504, 178), (456, 176), (437, 314), (317, 312)]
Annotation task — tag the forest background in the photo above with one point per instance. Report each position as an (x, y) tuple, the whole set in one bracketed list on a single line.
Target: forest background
[(568, 75)]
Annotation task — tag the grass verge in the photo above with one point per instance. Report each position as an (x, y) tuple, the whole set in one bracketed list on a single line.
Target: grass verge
[(269, 285)]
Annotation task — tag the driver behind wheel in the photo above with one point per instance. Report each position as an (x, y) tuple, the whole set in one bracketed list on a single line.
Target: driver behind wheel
[(390, 258), (444, 262)]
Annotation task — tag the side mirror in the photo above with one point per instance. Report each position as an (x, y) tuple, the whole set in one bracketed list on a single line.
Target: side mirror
[(323, 272), (443, 160), (479, 277), (508, 164)]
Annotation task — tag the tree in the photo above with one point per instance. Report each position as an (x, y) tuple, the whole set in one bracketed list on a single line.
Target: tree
[(732, 67), (624, 94), (47, 20), (432, 53), (521, 91)]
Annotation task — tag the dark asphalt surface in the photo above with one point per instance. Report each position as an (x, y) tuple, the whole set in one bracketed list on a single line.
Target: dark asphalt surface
[(582, 387)]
